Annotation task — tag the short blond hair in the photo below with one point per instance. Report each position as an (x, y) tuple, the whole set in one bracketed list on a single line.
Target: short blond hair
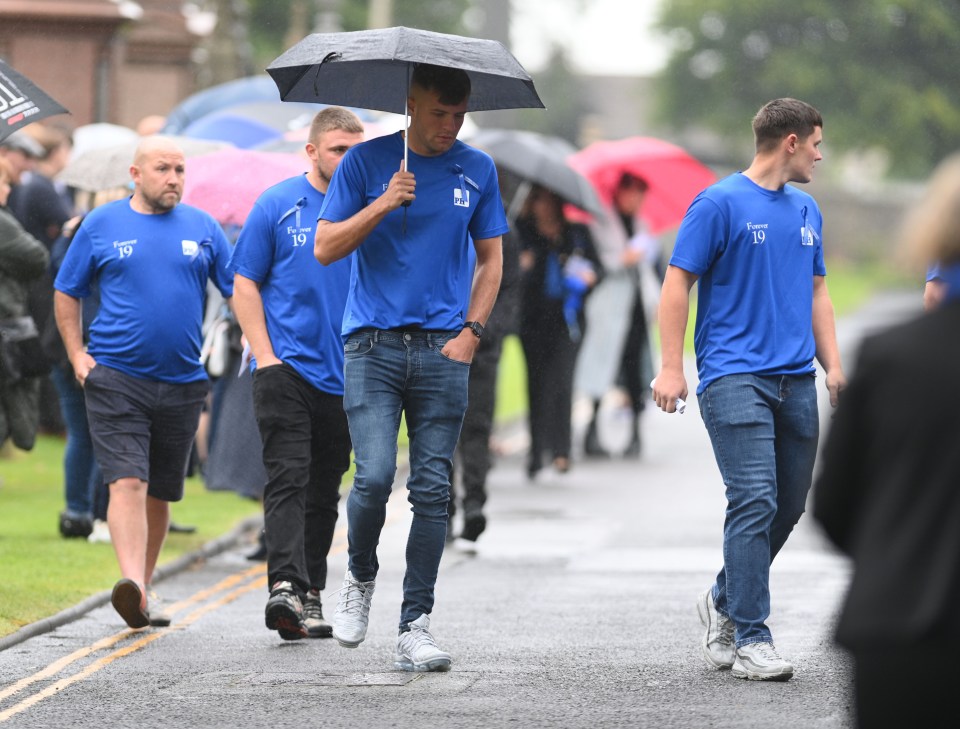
[(931, 229), (334, 117)]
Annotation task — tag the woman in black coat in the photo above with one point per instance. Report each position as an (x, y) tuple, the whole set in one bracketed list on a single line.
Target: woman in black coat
[(558, 265), (888, 494)]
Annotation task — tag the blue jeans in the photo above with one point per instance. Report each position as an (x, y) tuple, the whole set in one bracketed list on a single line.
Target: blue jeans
[(79, 465), (764, 432), (389, 373)]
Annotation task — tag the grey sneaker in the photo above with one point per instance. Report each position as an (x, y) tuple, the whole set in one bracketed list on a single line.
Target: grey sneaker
[(284, 612), (157, 609), (353, 611), (761, 662), (418, 651), (313, 620), (718, 646)]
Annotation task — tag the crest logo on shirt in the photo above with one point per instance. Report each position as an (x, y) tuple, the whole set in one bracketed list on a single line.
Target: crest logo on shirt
[(461, 197)]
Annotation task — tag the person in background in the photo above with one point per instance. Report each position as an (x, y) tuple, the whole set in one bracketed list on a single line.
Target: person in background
[(42, 209), (473, 458), (85, 493), (21, 151), (752, 243), (143, 381), (616, 351), (290, 309), (935, 288), (22, 259), (410, 335), (886, 493), (558, 266)]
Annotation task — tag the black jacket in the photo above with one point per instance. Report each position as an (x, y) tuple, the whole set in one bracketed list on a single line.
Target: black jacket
[(888, 493)]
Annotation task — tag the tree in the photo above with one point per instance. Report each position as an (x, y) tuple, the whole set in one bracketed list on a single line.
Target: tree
[(269, 19), (883, 73)]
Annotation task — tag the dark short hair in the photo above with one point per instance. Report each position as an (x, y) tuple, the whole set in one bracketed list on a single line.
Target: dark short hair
[(451, 84), (628, 180), (781, 117)]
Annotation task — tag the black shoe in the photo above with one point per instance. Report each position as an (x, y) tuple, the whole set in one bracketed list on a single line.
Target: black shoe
[(260, 553), (175, 528), (284, 612), (75, 526), (533, 467), (591, 444), (473, 527), (636, 445)]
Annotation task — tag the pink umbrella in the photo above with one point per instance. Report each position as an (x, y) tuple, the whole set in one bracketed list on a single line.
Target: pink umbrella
[(675, 177), (227, 183)]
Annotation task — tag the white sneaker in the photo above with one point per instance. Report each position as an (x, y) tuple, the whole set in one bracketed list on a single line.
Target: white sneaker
[(418, 651), (761, 662), (100, 533), (353, 611), (718, 646)]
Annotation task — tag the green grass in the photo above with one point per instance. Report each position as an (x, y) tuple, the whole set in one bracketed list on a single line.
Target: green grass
[(44, 573)]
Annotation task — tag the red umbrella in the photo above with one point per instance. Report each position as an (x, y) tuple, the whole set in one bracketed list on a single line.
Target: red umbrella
[(227, 183), (675, 177)]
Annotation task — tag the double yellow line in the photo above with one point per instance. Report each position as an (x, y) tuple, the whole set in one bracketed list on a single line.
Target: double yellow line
[(209, 599), (232, 587)]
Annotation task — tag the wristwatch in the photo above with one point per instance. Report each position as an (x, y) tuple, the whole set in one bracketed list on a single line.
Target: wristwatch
[(475, 327)]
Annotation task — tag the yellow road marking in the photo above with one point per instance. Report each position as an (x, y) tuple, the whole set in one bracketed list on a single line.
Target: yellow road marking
[(259, 580)]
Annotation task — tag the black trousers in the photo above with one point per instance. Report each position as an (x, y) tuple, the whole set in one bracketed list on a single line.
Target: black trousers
[(306, 451), (551, 357), (472, 459)]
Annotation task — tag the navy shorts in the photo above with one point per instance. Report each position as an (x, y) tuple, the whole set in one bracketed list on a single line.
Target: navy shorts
[(142, 428)]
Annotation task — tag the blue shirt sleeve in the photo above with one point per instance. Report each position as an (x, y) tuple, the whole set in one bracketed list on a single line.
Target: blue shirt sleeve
[(253, 254), (78, 267), (701, 238), (220, 272)]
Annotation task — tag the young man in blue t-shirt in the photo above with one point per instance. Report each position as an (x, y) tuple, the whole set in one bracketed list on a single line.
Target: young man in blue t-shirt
[(143, 382), (410, 334), (753, 243), (290, 309)]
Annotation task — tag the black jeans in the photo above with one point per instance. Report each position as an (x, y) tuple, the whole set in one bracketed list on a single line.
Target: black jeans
[(306, 451), (473, 449)]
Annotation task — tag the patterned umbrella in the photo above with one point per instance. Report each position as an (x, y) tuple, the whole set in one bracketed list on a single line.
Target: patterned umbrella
[(22, 102)]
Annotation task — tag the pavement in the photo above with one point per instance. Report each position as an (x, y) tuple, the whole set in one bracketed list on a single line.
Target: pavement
[(576, 609)]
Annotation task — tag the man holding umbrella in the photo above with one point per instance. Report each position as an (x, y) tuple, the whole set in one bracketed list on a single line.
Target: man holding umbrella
[(410, 334)]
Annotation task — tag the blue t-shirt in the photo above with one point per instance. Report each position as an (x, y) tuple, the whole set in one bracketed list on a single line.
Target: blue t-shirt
[(756, 252), (414, 268), (302, 301), (152, 271)]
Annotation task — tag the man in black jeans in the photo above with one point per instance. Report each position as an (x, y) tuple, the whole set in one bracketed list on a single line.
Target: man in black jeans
[(290, 309)]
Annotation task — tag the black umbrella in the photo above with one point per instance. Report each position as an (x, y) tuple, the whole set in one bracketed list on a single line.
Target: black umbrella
[(370, 69), (540, 159), (22, 102)]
